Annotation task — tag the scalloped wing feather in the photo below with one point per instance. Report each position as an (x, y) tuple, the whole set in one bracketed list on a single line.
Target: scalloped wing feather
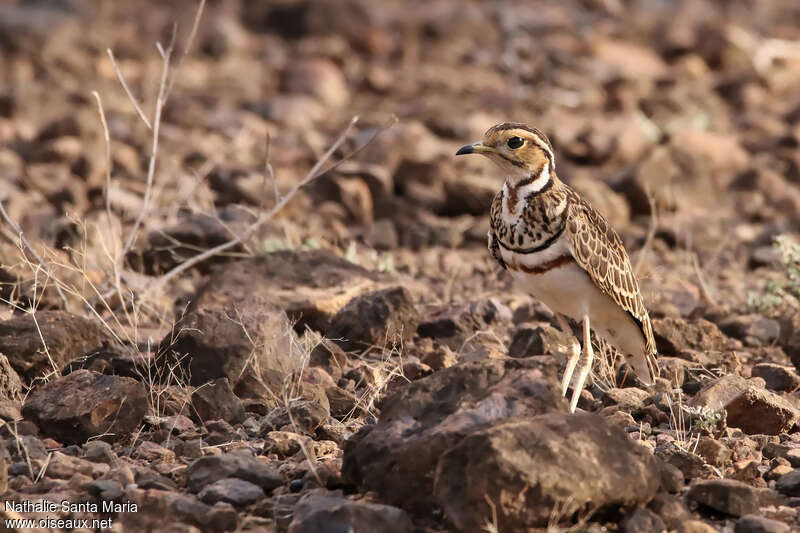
[(599, 251)]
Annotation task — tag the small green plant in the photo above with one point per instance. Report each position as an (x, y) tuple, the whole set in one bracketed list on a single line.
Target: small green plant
[(383, 262), (786, 289), (703, 418)]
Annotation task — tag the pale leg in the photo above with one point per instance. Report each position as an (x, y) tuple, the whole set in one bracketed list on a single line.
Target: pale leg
[(586, 365), (574, 354)]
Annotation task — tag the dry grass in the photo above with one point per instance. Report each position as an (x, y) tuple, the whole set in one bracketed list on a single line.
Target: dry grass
[(680, 424), (94, 279), (604, 371)]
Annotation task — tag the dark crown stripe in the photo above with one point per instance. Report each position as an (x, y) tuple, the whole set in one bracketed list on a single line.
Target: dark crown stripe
[(519, 125)]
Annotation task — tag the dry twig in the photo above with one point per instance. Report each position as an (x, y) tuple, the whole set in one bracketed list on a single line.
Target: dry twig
[(312, 174), (151, 168), (14, 226), (127, 89)]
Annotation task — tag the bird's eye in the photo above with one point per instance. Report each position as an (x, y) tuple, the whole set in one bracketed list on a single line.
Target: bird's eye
[(515, 142)]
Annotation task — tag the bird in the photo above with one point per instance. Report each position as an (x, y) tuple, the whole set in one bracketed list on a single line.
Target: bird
[(564, 253)]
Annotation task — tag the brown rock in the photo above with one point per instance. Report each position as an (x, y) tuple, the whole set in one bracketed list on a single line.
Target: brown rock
[(439, 357), (696, 526), (759, 524), (629, 60), (611, 205), (420, 422), (753, 330), (722, 152), (165, 248), (62, 466), (527, 340), (68, 337), (10, 409), (643, 520), (789, 484), (5, 462), (177, 424), (453, 324), (628, 399), (216, 401), (287, 443), (382, 235), (758, 411), (381, 318), (713, 451), (672, 479), (671, 509), (749, 407), (716, 394), (252, 304), (562, 454), (621, 419), (772, 450), (655, 170), (748, 472), (674, 369), (321, 511), (85, 404), (691, 465), (674, 335), (175, 511), (10, 384), (301, 414), (318, 77), (211, 468), (793, 456), (355, 189), (329, 356), (150, 451), (234, 491), (294, 110), (469, 194), (777, 471), (791, 342), (726, 495), (220, 432), (409, 143), (777, 377), (341, 402)]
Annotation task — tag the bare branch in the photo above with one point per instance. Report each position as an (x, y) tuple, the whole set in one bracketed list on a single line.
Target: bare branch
[(707, 296), (107, 138), (651, 233), (127, 89), (186, 48), (312, 174), (30, 249), (151, 168), (269, 174)]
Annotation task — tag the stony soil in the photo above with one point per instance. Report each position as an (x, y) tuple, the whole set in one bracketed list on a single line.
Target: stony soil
[(356, 362)]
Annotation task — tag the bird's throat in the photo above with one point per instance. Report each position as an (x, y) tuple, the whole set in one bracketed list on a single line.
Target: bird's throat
[(519, 191), (534, 183)]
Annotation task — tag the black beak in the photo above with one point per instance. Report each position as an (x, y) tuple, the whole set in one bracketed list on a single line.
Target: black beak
[(467, 149)]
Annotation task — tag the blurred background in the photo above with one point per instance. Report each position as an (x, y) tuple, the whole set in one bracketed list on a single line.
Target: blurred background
[(677, 119)]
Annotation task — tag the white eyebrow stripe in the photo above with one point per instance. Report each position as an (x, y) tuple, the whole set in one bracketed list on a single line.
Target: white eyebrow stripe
[(538, 141)]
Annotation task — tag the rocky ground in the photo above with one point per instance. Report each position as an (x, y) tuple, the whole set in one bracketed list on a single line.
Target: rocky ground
[(354, 359)]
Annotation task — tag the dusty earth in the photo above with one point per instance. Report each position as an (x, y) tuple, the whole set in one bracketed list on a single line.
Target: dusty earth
[(352, 360)]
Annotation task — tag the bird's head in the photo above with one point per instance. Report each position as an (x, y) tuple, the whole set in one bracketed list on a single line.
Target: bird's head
[(524, 153)]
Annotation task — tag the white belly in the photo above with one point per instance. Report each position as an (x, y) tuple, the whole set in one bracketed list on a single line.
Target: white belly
[(569, 290)]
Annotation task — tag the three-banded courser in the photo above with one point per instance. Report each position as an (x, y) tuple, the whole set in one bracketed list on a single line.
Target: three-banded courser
[(564, 252)]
